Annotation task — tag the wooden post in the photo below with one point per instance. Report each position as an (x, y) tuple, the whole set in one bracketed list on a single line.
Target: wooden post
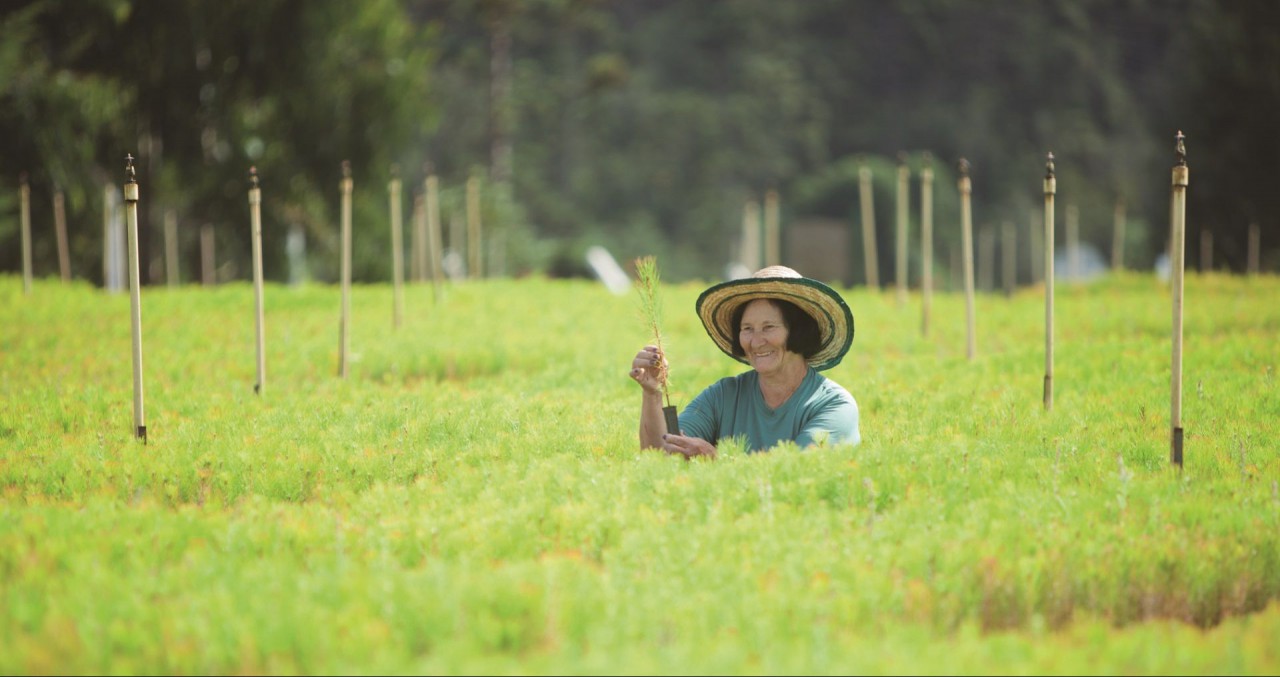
[(207, 272), (1009, 271), (986, 258), (1036, 246), (415, 239), (255, 228), (344, 323), (751, 236), (926, 243), (417, 217), (421, 228), (772, 230), (1117, 238), (1073, 243), (435, 241), (474, 269), (966, 245), (397, 247), (135, 297), (1177, 263), (1050, 189), (457, 234), (956, 269), (106, 236), (1255, 244), (171, 247), (867, 200), (60, 231), (25, 215), (1206, 251), (900, 263), (1168, 249)]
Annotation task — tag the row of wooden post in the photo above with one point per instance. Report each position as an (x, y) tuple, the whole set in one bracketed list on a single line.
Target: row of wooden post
[(1177, 263), (131, 197), (1177, 267), (60, 230), (427, 257), (1177, 249), (426, 207), (985, 241), (426, 221)]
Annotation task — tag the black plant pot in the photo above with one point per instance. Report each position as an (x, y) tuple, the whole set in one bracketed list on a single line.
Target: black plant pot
[(673, 421)]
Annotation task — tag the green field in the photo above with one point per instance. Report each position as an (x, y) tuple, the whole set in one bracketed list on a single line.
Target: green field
[(472, 498)]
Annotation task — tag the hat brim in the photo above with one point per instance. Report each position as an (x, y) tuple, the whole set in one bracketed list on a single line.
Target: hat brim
[(717, 305)]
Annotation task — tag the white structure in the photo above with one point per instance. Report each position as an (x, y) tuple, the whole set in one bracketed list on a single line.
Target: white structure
[(607, 270)]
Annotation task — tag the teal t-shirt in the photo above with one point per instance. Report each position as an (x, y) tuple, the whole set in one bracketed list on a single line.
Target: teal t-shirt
[(820, 409)]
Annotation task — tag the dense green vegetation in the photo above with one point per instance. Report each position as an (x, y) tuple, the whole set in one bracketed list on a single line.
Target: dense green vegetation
[(641, 125), (472, 499)]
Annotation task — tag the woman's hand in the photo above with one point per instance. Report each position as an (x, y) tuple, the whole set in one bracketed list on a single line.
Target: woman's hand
[(648, 368), (688, 447)]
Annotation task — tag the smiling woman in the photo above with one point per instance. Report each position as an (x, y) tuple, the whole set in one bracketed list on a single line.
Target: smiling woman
[(787, 328)]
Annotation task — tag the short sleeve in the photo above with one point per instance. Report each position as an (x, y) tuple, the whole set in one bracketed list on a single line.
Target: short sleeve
[(834, 422), (701, 417)]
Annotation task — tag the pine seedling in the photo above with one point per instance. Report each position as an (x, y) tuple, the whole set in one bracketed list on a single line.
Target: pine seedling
[(651, 311)]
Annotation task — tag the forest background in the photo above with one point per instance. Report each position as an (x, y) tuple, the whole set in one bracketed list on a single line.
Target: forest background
[(641, 126)]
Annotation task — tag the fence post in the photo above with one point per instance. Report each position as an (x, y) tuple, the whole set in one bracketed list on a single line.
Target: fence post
[(751, 236), (60, 231), (344, 324), (926, 243), (397, 247), (435, 241), (966, 244), (475, 264), (255, 227), (866, 198), (1050, 189), (135, 297), (1177, 265), (25, 215), (900, 264)]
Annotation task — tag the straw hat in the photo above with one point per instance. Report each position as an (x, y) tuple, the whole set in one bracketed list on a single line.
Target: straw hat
[(835, 321)]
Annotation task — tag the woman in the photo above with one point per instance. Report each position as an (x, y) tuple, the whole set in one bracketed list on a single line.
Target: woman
[(787, 328)]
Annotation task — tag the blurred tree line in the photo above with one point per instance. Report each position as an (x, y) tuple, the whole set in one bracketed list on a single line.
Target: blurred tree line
[(641, 125)]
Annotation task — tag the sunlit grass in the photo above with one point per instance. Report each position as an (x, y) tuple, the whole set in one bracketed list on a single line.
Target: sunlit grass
[(472, 497)]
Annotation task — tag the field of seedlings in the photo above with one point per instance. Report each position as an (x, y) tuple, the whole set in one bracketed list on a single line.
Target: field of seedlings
[(471, 498)]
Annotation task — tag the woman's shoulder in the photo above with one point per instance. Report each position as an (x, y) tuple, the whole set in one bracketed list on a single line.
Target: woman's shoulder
[(827, 388)]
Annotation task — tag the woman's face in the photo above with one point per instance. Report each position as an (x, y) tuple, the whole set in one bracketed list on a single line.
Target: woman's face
[(763, 336)]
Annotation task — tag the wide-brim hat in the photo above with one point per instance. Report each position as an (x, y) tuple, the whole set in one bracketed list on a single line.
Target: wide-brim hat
[(717, 305)]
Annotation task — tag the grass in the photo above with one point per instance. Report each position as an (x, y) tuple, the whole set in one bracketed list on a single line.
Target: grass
[(472, 497)]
